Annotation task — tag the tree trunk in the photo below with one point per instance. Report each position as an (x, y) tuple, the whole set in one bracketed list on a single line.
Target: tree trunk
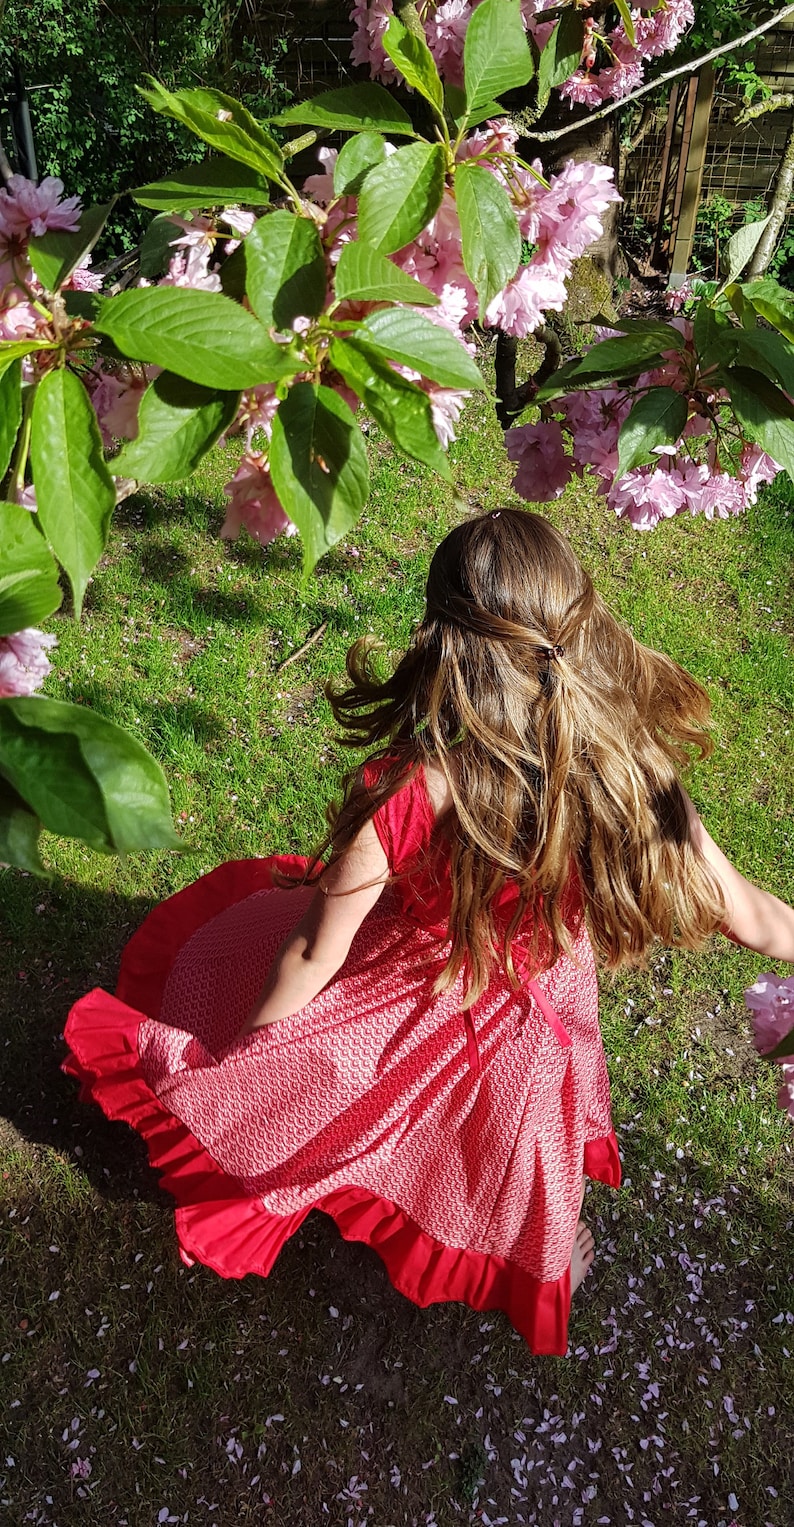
[(778, 207), (597, 142)]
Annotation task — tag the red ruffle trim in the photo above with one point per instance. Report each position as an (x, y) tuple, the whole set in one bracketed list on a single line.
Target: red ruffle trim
[(231, 1231)]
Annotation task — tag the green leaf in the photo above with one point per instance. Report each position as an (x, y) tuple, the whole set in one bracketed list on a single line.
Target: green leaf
[(232, 273), (356, 158), (318, 462), (85, 777), (561, 55), (29, 587), (734, 296), (19, 833), (178, 422), (764, 412), (770, 301), (400, 196), (455, 102), (400, 407), (82, 304), (10, 412), (496, 54), (624, 11), (714, 336), (490, 235), (50, 774), (14, 349), (363, 274), (203, 336), (215, 182), (354, 108), (156, 245), (413, 340), (285, 269), (657, 418), (612, 360), (74, 489), (55, 255), (223, 123), (764, 350), (411, 56), (666, 336), (740, 249)]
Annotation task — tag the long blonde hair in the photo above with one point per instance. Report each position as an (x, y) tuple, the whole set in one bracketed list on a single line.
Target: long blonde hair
[(560, 738)]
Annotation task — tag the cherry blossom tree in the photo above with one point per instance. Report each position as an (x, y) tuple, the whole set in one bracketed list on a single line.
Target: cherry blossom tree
[(288, 312)]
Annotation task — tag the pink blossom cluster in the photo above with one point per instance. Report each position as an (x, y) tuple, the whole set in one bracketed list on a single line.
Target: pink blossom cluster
[(253, 502), (560, 217), (445, 29), (24, 664), (679, 482), (771, 1003), (27, 211), (611, 66)]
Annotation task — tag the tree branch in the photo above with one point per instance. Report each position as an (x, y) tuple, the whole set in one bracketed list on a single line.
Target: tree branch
[(778, 207), (406, 12), (590, 11), (662, 79), (782, 102), (512, 397)]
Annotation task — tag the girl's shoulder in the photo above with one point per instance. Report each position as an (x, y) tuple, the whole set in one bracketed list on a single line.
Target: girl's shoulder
[(404, 821)]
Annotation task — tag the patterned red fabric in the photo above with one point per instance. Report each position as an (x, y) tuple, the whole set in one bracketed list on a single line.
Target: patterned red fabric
[(452, 1143)]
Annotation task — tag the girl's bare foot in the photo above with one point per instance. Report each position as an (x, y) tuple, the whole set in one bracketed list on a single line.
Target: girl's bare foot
[(582, 1255)]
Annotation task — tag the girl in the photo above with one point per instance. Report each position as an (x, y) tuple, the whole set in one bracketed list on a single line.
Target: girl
[(409, 1041)]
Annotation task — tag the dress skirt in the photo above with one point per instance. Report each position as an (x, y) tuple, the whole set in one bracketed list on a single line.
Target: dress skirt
[(452, 1143)]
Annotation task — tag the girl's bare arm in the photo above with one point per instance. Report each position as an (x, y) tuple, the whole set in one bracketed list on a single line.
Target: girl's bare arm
[(312, 954), (756, 918)]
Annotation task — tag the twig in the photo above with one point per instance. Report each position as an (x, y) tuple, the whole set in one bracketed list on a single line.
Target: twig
[(782, 102), (662, 79), (304, 647)]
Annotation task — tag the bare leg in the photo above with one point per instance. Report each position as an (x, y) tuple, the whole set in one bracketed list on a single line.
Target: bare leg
[(583, 1250)]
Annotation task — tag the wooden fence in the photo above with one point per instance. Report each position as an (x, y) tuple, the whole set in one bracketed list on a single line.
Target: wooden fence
[(739, 166)]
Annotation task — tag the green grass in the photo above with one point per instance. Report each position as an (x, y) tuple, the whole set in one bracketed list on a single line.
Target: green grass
[(166, 1371)]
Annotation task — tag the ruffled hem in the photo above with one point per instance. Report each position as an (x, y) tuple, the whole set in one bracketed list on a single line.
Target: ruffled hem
[(227, 1228), (231, 1231)]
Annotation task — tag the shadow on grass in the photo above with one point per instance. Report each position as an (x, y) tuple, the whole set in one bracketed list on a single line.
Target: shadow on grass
[(73, 945), (165, 506), (168, 720), (183, 600)]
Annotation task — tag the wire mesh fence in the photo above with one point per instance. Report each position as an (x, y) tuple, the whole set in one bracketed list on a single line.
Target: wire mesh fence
[(740, 164), (315, 38)]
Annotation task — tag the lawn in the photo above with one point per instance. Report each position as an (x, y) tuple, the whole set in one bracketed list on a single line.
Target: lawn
[(135, 1391)]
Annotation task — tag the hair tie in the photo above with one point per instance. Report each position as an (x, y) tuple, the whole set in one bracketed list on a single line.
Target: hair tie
[(551, 652)]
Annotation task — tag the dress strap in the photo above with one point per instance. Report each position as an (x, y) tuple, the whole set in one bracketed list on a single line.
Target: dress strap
[(472, 1047), (553, 1018)]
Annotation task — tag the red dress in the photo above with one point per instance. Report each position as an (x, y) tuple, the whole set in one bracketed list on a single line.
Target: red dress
[(452, 1143)]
